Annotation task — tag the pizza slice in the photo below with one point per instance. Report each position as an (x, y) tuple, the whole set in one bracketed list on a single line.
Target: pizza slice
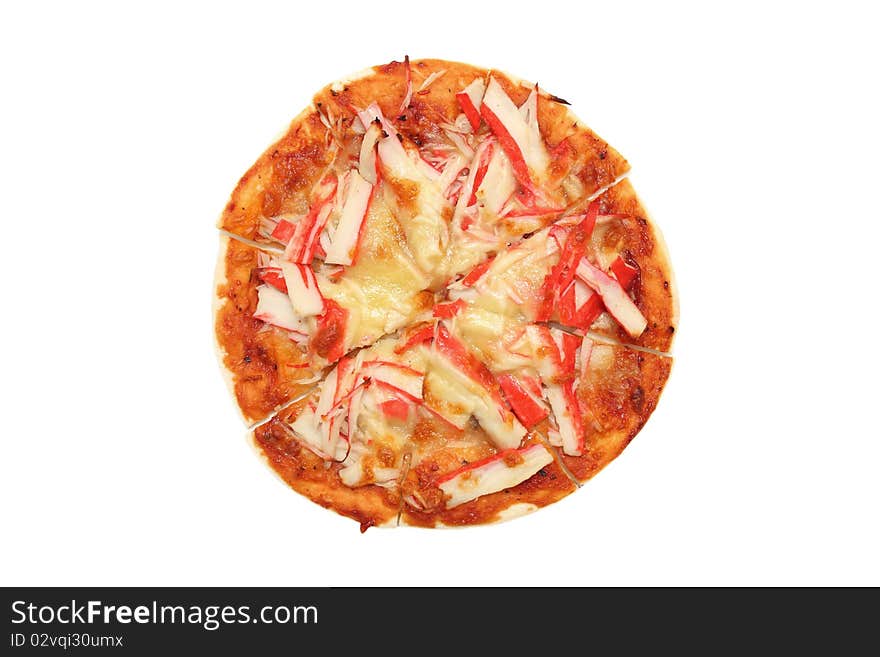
[(472, 461), (308, 474), (278, 186), (627, 246), (495, 158), (345, 445), (586, 396), (615, 390), (566, 385), (602, 271), (507, 423), (449, 108), (468, 160), (413, 424), (582, 393)]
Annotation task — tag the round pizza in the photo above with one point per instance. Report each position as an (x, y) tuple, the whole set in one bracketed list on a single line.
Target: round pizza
[(439, 301)]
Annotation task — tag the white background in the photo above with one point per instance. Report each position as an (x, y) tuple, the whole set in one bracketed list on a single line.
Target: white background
[(752, 133)]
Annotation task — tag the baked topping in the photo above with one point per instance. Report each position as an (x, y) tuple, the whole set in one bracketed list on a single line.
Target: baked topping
[(450, 275)]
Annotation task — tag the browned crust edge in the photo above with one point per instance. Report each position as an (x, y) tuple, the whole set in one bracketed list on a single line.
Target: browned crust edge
[(620, 407), (547, 486), (279, 181), (309, 475), (641, 241), (257, 362)]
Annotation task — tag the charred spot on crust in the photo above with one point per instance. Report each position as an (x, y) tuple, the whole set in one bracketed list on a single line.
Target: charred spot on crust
[(420, 125), (293, 171), (630, 259), (390, 67), (637, 397)]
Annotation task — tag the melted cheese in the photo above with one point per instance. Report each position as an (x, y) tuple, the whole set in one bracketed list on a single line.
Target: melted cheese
[(465, 253), (498, 422), (448, 399), (502, 302), (383, 289), (511, 284), (419, 201), (377, 446)]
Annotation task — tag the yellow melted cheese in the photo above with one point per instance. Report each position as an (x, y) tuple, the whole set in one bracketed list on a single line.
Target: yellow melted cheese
[(382, 290)]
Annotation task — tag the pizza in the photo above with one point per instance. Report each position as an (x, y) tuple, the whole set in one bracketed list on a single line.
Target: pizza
[(439, 300)]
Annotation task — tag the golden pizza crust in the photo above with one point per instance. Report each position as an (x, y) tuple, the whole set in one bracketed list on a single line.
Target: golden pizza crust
[(548, 485), (444, 451), (259, 361), (309, 475), (638, 240), (280, 180), (619, 402)]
